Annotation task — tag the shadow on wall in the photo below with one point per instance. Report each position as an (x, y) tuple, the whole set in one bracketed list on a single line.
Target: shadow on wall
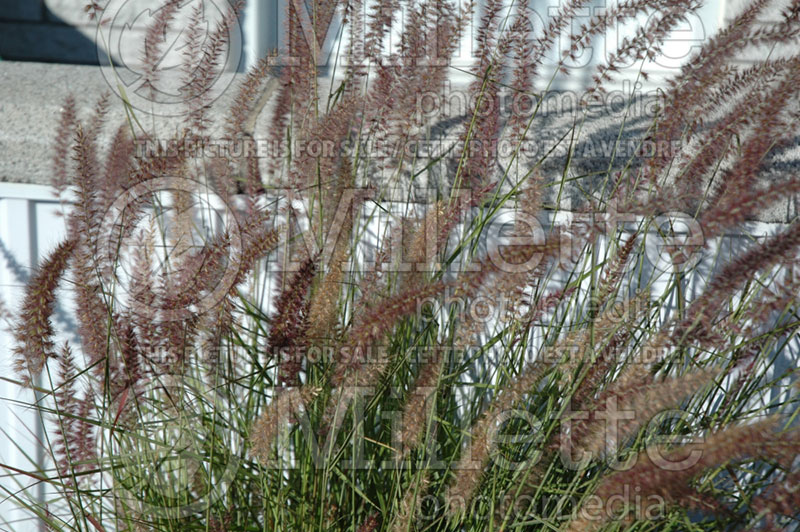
[(30, 31)]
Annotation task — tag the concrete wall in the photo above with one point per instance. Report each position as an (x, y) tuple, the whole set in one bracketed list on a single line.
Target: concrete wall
[(36, 30), (54, 31), (31, 96), (61, 31)]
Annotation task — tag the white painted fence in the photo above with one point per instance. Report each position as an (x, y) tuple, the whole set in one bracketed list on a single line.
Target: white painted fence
[(30, 226)]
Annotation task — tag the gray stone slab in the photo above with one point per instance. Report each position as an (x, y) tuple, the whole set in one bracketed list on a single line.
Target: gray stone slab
[(31, 98), (137, 13), (45, 42), (121, 34), (31, 95), (55, 42), (21, 10), (67, 12)]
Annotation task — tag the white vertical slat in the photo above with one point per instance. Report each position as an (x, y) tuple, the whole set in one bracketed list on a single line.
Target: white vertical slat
[(20, 425), (50, 230), (29, 228), (260, 25)]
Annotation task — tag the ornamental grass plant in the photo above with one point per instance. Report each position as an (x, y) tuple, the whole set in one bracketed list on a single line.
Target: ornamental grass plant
[(304, 342)]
